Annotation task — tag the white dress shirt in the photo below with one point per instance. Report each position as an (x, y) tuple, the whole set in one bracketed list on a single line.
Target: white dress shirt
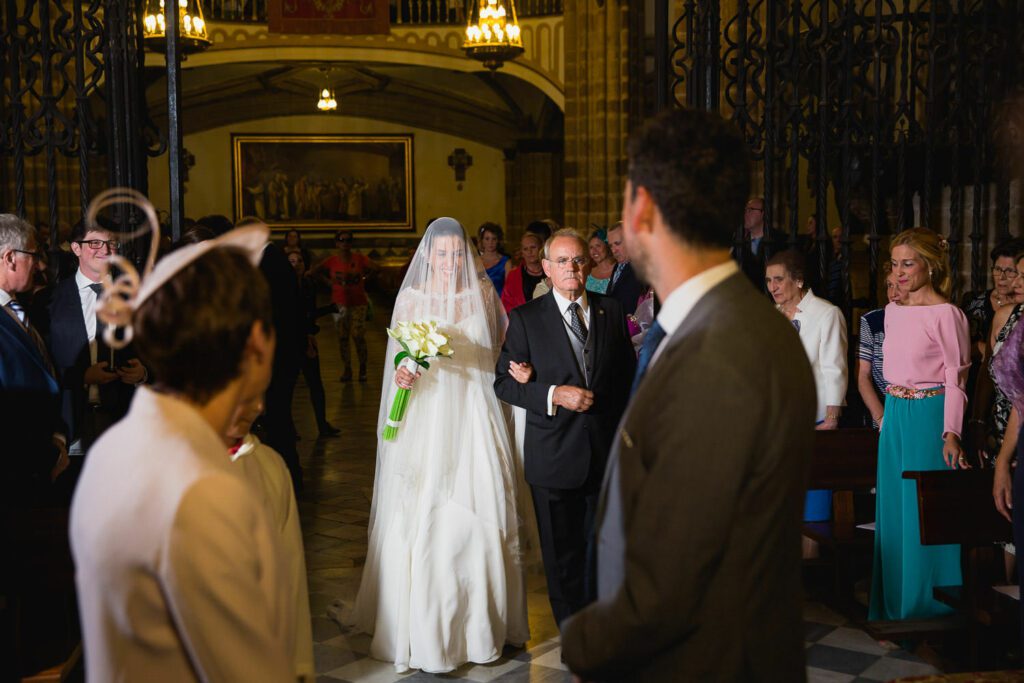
[(680, 302), (88, 299), (563, 308), (823, 334)]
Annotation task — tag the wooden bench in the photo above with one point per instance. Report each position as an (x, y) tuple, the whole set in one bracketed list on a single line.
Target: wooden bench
[(956, 507), (845, 461)]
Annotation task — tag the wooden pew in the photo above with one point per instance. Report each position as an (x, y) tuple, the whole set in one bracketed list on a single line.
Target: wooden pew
[(845, 461), (956, 507)]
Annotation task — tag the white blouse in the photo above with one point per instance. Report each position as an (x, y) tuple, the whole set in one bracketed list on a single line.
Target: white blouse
[(823, 333)]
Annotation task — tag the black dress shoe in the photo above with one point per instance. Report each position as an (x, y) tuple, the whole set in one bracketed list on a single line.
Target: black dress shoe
[(328, 430)]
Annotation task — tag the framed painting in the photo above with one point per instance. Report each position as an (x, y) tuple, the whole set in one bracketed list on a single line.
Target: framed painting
[(324, 182)]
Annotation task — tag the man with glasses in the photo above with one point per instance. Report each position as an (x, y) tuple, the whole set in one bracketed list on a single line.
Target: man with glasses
[(568, 360), (96, 383), (755, 252), (34, 455)]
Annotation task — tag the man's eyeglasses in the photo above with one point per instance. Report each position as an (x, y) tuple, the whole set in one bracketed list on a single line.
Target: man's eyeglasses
[(564, 262), (754, 208), (1007, 273), (37, 254), (96, 245)]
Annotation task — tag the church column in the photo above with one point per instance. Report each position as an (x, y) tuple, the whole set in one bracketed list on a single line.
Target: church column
[(596, 110)]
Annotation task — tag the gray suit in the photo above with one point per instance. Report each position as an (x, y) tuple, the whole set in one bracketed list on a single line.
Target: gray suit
[(699, 529)]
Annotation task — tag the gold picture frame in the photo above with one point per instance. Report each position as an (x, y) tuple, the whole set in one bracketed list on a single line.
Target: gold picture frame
[(324, 182)]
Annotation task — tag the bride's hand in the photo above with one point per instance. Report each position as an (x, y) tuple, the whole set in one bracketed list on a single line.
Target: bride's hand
[(404, 378), (521, 372)]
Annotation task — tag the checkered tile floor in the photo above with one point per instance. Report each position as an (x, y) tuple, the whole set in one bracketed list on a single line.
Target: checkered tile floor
[(335, 508), (837, 652)]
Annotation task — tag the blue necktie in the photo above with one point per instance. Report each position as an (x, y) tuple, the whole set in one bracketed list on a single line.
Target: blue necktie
[(654, 336)]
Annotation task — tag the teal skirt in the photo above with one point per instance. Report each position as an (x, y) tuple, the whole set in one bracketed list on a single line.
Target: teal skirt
[(905, 572)]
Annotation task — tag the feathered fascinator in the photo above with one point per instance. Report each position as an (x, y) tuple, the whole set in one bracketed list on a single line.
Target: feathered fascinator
[(122, 295)]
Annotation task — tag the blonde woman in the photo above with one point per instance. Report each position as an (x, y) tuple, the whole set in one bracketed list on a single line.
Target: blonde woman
[(926, 355)]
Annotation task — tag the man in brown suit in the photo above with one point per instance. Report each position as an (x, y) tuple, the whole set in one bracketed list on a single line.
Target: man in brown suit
[(698, 541)]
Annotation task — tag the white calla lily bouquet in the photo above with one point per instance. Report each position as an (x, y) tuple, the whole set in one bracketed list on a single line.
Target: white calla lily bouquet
[(420, 341)]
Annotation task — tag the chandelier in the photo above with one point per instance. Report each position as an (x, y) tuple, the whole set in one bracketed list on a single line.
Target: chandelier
[(492, 35), (192, 36), (327, 101)]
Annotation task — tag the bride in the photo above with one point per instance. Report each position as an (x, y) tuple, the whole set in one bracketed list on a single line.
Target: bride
[(443, 583)]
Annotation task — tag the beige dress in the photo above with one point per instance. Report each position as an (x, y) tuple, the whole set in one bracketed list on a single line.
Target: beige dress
[(179, 569), (265, 469)]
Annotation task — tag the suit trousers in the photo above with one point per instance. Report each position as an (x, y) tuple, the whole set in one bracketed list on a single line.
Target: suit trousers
[(277, 419), (565, 520), (315, 383)]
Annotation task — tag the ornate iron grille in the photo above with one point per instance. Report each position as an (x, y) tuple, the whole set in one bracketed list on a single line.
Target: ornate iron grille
[(71, 106), (882, 112)]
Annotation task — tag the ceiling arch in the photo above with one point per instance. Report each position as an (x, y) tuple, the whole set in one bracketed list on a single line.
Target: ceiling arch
[(499, 109)]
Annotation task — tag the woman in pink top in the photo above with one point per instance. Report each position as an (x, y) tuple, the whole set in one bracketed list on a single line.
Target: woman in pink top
[(926, 354)]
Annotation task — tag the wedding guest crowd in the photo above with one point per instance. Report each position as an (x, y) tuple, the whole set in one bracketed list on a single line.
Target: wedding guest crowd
[(588, 317)]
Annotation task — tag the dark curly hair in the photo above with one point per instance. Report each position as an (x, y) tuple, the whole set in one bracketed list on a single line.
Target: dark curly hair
[(696, 167)]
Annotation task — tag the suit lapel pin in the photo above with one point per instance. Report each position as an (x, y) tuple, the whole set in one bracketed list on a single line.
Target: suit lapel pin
[(626, 438)]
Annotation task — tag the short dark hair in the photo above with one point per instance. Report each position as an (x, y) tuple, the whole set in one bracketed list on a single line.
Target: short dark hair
[(793, 261), (217, 223), (540, 228), (191, 332), (1012, 248), (492, 228), (341, 233), (696, 167), (79, 231)]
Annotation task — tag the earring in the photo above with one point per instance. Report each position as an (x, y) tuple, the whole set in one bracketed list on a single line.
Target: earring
[(929, 273)]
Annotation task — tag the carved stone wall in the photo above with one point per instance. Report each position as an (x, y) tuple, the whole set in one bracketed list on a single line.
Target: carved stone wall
[(596, 110)]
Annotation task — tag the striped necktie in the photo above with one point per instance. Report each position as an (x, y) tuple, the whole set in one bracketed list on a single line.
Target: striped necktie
[(619, 267), (19, 311)]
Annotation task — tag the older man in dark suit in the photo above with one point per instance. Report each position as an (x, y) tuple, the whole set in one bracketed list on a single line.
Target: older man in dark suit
[(28, 385), (699, 522), (36, 574), (625, 286), (573, 346)]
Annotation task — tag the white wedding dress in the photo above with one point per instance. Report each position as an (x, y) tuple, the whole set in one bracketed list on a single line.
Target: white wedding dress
[(443, 582)]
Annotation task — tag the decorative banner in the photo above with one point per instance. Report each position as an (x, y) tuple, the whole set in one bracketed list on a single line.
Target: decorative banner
[(350, 17)]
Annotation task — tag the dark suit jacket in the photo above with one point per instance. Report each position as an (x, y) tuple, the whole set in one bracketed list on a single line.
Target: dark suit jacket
[(289, 326), (627, 289), (699, 544), (561, 451), (29, 413), (69, 347)]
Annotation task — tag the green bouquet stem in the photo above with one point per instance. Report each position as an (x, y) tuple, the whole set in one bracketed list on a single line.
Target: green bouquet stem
[(397, 414)]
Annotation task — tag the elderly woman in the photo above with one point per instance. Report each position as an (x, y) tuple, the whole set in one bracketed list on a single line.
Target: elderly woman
[(926, 355), (821, 327), (990, 408), (981, 308), (822, 331)]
